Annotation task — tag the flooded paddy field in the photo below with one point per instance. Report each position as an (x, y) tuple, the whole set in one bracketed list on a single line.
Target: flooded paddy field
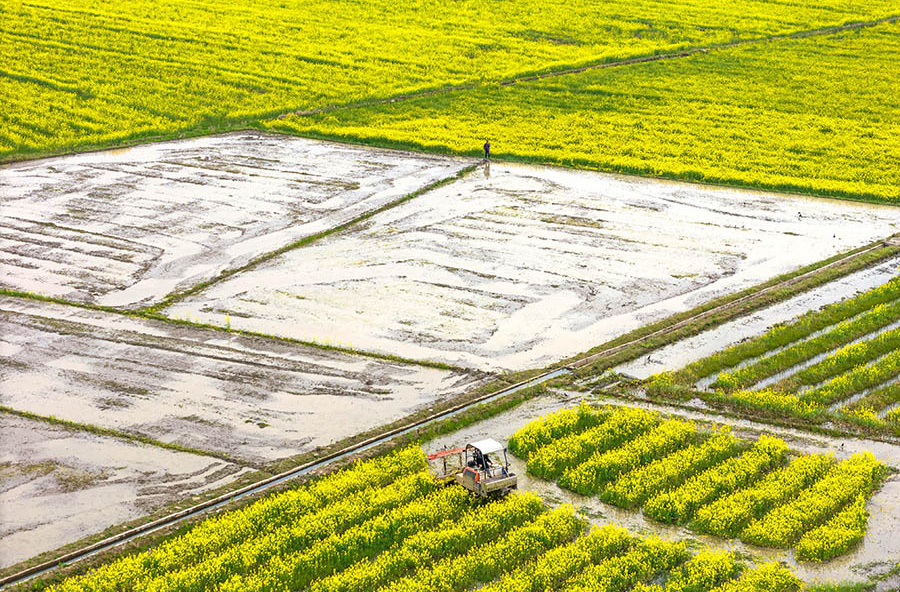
[(126, 227), (256, 400), (876, 555), (680, 354), (519, 266), (58, 486)]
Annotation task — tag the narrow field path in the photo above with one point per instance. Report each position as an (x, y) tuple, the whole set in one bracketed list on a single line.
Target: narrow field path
[(564, 71)]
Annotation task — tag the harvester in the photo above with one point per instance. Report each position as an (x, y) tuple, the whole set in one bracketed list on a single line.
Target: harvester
[(478, 467)]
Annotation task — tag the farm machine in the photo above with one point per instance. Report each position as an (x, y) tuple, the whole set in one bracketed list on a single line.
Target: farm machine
[(481, 467)]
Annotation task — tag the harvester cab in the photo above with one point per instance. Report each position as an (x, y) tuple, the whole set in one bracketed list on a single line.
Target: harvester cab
[(481, 467)]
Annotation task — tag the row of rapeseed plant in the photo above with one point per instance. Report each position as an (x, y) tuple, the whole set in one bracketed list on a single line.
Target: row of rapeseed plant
[(386, 525), (713, 483), (841, 359)]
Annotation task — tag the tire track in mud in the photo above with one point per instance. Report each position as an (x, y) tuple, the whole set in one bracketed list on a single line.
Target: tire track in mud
[(685, 53)]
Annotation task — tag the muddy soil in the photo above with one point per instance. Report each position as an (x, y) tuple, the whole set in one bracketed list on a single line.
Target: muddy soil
[(126, 227), (253, 399), (532, 264), (877, 554), (680, 354), (58, 486)]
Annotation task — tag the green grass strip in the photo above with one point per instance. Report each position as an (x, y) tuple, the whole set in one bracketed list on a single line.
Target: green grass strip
[(878, 399), (859, 378), (845, 359), (119, 434), (782, 335), (869, 322), (155, 316)]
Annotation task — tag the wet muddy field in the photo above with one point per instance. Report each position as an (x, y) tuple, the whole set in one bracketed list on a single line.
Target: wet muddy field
[(511, 267), (520, 266), (876, 554), (126, 227), (256, 400), (58, 486), (680, 354)]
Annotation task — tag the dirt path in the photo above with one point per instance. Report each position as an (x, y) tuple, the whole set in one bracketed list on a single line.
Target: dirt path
[(597, 66)]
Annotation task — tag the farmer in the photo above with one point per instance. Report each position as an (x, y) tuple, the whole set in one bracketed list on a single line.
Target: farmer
[(487, 149)]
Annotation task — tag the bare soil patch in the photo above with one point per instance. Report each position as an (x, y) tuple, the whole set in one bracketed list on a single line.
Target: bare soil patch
[(58, 486), (519, 266), (127, 227), (255, 399)]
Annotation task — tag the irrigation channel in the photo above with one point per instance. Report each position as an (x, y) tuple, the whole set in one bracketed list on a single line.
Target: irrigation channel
[(219, 502)]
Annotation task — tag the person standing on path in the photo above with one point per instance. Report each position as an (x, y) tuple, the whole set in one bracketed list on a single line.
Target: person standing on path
[(487, 149)]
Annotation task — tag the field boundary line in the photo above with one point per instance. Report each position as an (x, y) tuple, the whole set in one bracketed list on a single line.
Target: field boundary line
[(684, 53), (582, 362), (96, 430), (172, 298)]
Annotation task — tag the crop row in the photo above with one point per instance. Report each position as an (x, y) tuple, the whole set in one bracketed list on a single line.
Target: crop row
[(795, 331), (859, 378), (218, 535), (853, 384), (680, 504), (843, 483), (705, 571), (591, 476), (553, 459), (844, 359), (878, 317), (714, 483), (878, 399), (354, 532), (449, 539), (552, 427), (728, 515), (633, 488)]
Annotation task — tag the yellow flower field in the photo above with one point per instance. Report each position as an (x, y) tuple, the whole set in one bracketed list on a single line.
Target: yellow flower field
[(386, 525), (81, 73), (790, 115)]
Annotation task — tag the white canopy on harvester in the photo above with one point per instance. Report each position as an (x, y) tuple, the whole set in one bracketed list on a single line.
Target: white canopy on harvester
[(487, 446)]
